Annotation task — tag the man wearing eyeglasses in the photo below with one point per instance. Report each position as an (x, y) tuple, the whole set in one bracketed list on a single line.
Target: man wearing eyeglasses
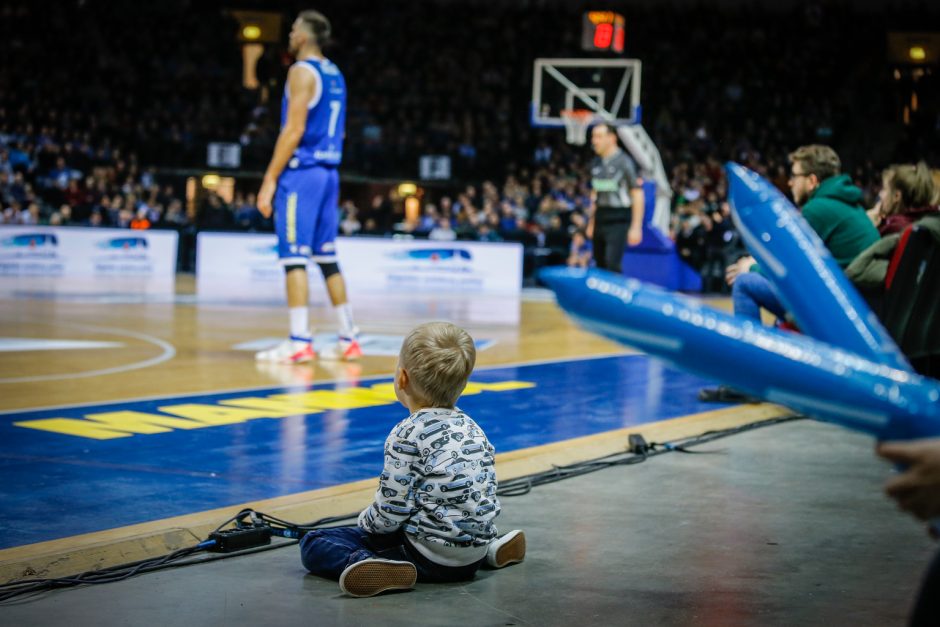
[(831, 205)]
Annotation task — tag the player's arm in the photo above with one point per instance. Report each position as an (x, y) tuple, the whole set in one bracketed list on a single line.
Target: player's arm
[(638, 202), (301, 89)]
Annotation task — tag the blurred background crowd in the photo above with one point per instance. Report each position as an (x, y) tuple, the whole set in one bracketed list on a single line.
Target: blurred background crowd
[(90, 137)]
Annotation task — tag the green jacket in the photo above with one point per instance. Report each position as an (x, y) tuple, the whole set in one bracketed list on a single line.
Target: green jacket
[(871, 267), (835, 212)]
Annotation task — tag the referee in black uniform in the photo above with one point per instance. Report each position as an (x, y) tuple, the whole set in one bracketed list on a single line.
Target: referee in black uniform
[(616, 200)]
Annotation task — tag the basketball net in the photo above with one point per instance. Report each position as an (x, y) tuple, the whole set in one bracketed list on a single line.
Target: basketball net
[(577, 122)]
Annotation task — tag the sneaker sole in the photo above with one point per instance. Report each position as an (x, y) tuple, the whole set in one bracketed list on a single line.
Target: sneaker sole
[(300, 360), (288, 360), (511, 552), (350, 355), (373, 578)]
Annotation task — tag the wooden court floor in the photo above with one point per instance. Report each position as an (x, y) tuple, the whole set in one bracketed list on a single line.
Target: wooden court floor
[(579, 394), (167, 348)]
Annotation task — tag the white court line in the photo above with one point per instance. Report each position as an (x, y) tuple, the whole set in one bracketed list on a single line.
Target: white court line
[(31, 344), (158, 397), (168, 353)]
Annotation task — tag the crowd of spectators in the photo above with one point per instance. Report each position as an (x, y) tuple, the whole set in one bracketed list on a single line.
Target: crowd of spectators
[(48, 180), (99, 100), (539, 205)]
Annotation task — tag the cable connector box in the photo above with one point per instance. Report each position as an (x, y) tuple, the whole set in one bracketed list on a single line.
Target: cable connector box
[(230, 540), (638, 444)]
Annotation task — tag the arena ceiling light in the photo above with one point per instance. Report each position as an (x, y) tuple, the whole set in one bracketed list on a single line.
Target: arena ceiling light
[(909, 48)]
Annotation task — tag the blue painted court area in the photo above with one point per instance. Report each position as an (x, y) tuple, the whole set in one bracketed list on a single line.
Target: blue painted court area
[(76, 470)]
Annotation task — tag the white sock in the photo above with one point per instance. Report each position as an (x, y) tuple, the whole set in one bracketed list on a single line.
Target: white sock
[(344, 314), (299, 322)]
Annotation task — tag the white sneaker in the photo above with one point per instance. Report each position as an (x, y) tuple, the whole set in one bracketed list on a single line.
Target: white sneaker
[(346, 349), (506, 550), (372, 576), (290, 351)]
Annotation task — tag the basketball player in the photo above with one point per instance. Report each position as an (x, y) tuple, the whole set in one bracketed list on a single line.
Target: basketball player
[(616, 198), (302, 183)]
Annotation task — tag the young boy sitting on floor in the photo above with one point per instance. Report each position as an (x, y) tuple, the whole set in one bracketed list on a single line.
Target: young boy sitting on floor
[(432, 517)]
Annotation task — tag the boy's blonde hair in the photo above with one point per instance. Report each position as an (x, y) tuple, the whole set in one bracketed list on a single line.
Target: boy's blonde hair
[(439, 358)]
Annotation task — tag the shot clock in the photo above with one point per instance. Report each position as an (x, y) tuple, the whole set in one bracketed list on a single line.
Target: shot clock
[(602, 31)]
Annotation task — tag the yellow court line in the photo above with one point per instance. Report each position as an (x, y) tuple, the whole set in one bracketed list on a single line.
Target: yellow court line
[(102, 549)]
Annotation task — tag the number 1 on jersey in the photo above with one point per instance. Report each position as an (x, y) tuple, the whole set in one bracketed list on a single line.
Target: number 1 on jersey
[(335, 107)]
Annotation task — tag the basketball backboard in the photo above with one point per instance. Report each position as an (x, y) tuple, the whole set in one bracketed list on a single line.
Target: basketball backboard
[(609, 87)]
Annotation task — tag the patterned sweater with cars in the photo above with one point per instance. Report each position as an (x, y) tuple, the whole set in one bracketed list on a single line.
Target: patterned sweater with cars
[(438, 485)]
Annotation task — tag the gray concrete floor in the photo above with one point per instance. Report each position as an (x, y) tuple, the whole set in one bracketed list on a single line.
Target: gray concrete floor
[(787, 527)]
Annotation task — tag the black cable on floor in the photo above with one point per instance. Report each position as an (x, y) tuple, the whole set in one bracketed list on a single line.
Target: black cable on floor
[(248, 519)]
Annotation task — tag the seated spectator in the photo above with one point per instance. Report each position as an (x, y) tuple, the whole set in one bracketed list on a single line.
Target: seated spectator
[(906, 196), (65, 215), (507, 219), (443, 231), (371, 227), (720, 244), (689, 230), (831, 205), (215, 213), (175, 217), (905, 199), (141, 221), (349, 224), (60, 175), (485, 233), (428, 219), (31, 215), (6, 168), (246, 214), (18, 188), (580, 252), (124, 218)]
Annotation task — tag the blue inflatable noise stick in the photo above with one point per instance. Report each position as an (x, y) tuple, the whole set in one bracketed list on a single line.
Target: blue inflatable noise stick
[(810, 283), (804, 374)]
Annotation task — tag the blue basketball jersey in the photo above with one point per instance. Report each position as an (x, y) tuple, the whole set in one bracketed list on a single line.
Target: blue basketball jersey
[(322, 141)]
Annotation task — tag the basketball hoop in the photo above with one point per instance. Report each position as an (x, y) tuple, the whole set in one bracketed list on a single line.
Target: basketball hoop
[(577, 122)]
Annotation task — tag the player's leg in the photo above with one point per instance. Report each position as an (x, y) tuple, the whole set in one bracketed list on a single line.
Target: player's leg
[(289, 221), (615, 234), (324, 253), (599, 245)]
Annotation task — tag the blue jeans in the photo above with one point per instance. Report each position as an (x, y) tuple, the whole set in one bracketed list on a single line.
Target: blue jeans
[(750, 292), (328, 552)]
